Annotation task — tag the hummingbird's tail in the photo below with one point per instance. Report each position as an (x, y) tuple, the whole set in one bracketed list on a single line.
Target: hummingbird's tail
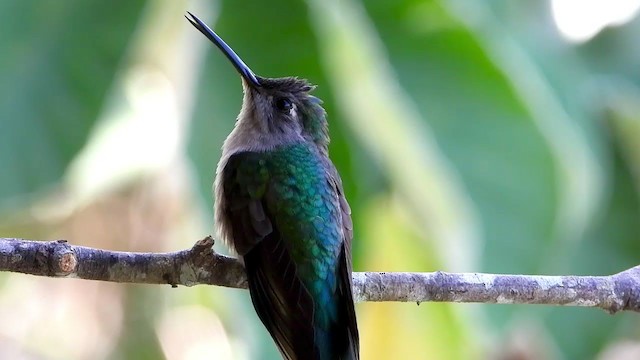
[(340, 340), (304, 328)]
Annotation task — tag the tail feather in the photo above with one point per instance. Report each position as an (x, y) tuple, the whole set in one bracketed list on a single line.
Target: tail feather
[(291, 315)]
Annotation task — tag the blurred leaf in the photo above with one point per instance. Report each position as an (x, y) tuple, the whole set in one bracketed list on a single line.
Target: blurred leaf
[(139, 339), (612, 242), (555, 87), (387, 122), (623, 108), (605, 217), (59, 59), (614, 53), (428, 331), (611, 245)]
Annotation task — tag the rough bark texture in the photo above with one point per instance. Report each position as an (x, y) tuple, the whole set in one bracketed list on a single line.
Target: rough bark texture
[(201, 265), (198, 265)]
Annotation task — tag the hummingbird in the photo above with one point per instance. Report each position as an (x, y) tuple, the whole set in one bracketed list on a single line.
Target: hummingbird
[(280, 205)]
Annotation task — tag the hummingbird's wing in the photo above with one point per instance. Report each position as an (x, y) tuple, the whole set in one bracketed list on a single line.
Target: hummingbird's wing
[(270, 247), (346, 283)]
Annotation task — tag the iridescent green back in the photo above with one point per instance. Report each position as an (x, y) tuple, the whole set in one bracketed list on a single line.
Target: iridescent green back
[(294, 183), (289, 221)]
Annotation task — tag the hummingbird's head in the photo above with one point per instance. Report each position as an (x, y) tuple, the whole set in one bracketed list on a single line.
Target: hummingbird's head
[(275, 111)]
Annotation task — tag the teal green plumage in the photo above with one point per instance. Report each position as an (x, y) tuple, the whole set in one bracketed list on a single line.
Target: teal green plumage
[(299, 192), (304, 206)]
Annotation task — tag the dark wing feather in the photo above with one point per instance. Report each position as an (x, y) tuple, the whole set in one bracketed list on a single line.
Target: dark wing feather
[(345, 283), (274, 285), (271, 273)]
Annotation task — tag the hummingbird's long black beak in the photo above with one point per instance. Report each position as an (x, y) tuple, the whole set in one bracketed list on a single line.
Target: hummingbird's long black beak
[(242, 68)]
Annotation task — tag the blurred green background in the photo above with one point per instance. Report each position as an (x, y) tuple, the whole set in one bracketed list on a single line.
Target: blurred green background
[(495, 136)]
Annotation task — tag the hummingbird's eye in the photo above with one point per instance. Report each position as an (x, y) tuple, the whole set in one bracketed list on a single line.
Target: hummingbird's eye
[(283, 104)]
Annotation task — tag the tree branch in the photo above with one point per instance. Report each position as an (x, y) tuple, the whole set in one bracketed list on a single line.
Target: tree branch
[(201, 265)]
